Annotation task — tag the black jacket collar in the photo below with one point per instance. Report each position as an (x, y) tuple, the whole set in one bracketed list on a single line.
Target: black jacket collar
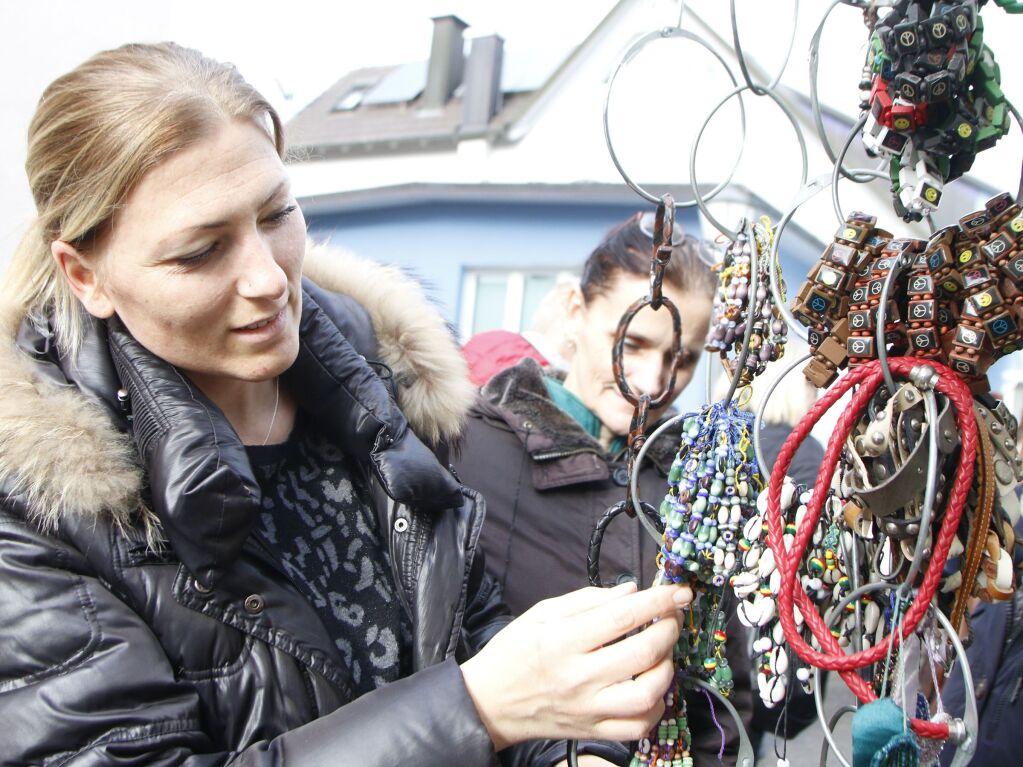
[(200, 483)]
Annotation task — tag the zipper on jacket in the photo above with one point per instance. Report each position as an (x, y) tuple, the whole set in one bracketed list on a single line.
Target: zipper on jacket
[(554, 455)]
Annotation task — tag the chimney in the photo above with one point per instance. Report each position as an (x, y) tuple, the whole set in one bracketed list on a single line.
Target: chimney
[(447, 61), (483, 97)]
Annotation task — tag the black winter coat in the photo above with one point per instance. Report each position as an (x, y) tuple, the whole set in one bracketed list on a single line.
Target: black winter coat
[(141, 624), (547, 483)]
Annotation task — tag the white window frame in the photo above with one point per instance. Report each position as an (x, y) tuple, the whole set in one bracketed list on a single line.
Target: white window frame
[(513, 297)]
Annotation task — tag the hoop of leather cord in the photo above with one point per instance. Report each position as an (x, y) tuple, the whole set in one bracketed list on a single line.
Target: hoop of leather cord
[(978, 531), (791, 593)]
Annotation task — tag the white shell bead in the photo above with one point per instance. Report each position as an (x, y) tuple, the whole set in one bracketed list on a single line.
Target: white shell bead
[(781, 661), (744, 584), (766, 564), (788, 492), (778, 633), (751, 557)]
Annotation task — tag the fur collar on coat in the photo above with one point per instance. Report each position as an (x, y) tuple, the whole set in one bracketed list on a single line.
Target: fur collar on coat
[(518, 395), (62, 452)]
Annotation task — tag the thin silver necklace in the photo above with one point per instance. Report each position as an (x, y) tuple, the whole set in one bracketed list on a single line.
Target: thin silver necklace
[(277, 400)]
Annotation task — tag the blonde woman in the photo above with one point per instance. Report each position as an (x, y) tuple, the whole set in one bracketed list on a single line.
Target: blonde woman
[(224, 539)]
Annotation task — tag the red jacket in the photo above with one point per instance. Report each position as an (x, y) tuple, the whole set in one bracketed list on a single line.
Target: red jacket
[(491, 351)]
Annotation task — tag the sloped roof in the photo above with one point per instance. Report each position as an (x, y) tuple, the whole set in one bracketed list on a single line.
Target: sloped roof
[(321, 131)]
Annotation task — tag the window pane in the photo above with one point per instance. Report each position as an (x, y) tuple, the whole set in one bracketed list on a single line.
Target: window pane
[(534, 289), (488, 314)]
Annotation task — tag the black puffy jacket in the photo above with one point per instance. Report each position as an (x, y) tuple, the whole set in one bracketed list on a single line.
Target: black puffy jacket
[(548, 483), (140, 623)]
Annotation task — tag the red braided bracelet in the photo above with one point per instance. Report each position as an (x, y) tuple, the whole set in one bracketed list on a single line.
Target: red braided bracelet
[(791, 591)]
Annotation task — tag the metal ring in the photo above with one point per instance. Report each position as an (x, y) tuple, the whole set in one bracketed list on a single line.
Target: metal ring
[(637, 502), (815, 104), (618, 351), (828, 743), (701, 201), (758, 422), (805, 194), (931, 489), (964, 751), (856, 129), (758, 90), (745, 756), (597, 537), (898, 265), (659, 34)]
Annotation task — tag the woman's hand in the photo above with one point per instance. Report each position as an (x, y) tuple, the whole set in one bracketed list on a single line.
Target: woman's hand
[(588, 760), (552, 674)]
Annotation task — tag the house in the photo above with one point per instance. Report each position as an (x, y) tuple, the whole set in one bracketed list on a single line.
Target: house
[(487, 173)]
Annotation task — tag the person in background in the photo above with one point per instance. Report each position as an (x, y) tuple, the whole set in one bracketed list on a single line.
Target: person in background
[(548, 451), (228, 533), (789, 402), (491, 351)]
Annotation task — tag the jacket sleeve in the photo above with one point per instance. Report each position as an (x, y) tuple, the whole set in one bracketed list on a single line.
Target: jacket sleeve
[(485, 615), (84, 681)]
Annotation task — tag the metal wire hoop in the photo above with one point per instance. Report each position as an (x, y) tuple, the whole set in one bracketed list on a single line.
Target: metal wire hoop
[(815, 104), (759, 90), (701, 200), (665, 34), (758, 422), (965, 749)]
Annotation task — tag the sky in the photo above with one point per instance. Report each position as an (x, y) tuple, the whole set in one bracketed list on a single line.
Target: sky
[(290, 51)]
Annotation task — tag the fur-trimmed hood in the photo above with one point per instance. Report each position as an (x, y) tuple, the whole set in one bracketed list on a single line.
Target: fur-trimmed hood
[(62, 453)]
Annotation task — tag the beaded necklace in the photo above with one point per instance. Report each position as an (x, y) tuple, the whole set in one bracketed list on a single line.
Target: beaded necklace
[(712, 489), (731, 306)]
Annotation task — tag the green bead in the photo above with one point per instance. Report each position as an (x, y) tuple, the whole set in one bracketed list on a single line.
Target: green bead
[(717, 487), (675, 473)]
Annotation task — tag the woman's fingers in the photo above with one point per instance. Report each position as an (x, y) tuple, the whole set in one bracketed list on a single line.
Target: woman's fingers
[(638, 698), (606, 622), (639, 652), (578, 601)]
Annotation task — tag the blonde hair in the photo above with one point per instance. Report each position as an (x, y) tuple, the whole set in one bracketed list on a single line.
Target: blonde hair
[(96, 132)]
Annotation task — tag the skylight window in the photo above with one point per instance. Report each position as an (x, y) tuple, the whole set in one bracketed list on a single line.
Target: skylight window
[(352, 98)]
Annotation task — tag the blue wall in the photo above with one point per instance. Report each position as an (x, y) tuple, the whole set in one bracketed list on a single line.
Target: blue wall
[(438, 241)]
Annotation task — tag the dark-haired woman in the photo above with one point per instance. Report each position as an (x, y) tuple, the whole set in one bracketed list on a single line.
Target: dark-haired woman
[(549, 453)]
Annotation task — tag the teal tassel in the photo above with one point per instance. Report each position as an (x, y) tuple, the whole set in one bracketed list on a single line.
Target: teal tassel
[(881, 738), (901, 751)]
